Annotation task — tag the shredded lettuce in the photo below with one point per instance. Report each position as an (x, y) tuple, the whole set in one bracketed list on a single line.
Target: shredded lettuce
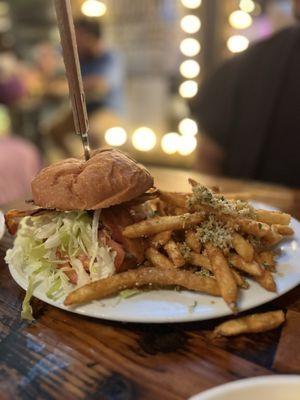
[(26, 312), (50, 245)]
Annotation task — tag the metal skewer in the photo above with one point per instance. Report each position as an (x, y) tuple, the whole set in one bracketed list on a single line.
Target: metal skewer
[(71, 60)]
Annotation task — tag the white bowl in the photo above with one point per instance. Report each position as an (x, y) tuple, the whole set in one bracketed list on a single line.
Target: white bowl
[(2, 225), (274, 387)]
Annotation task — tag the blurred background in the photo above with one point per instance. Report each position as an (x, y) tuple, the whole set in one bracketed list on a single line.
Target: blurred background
[(154, 57)]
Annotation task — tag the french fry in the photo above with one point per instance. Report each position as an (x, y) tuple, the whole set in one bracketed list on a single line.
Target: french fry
[(223, 274), (159, 224), (174, 198), (251, 227), (266, 281), (272, 237), (283, 229), (160, 239), (199, 260), (240, 280), (267, 260), (252, 268), (246, 225), (192, 241), (157, 259), (273, 217), (143, 277), (174, 253), (242, 247), (254, 323)]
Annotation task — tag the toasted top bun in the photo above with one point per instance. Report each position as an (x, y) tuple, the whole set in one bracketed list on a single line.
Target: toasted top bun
[(109, 177)]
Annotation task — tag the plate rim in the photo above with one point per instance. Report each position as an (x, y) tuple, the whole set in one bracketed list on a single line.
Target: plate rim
[(245, 383), (2, 224)]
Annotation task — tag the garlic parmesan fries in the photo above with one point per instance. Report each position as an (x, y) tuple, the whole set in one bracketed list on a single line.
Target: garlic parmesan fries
[(200, 241)]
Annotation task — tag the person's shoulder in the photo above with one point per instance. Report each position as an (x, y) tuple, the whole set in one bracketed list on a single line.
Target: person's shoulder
[(277, 39), (263, 47)]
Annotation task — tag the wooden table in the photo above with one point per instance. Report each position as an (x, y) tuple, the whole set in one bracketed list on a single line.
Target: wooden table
[(65, 356)]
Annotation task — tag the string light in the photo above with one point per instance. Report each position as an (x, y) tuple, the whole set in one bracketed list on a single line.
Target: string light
[(191, 3), (190, 47), (189, 69), (188, 89), (170, 142), (240, 19), (144, 139), (188, 127), (190, 24), (247, 5), (115, 136), (187, 144), (237, 43), (93, 8)]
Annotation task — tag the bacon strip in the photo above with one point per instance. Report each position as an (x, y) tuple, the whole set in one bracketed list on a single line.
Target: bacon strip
[(115, 219), (12, 217)]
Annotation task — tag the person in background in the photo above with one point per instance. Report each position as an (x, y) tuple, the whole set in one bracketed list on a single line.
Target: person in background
[(249, 112), (19, 159), (19, 163), (12, 86), (101, 68), (102, 75)]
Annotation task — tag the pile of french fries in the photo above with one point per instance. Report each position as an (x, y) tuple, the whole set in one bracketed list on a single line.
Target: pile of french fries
[(200, 241)]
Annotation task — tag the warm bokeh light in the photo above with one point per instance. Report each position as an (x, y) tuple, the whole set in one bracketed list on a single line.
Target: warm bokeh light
[(190, 47), (187, 144), (237, 43), (190, 24), (247, 5), (144, 139), (188, 127), (93, 8), (240, 19), (170, 142), (188, 89), (191, 3), (115, 136), (189, 69)]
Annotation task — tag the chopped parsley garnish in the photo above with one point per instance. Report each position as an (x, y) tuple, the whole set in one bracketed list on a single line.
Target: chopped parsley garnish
[(215, 232), (185, 251), (204, 272), (254, 241), (204, 196)]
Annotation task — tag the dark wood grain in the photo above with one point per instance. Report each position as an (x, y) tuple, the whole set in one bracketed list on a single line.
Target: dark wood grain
[(66, 356), (288, 352)]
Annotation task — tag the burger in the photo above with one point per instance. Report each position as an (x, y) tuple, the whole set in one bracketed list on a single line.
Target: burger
[(73, 233)]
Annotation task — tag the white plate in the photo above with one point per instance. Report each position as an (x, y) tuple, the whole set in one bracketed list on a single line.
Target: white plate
[(2, 225), (171, 306), (275, 387)]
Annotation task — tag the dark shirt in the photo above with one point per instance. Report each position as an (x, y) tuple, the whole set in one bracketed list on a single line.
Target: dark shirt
[(109, 67), (277, 163), (251, 107)]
